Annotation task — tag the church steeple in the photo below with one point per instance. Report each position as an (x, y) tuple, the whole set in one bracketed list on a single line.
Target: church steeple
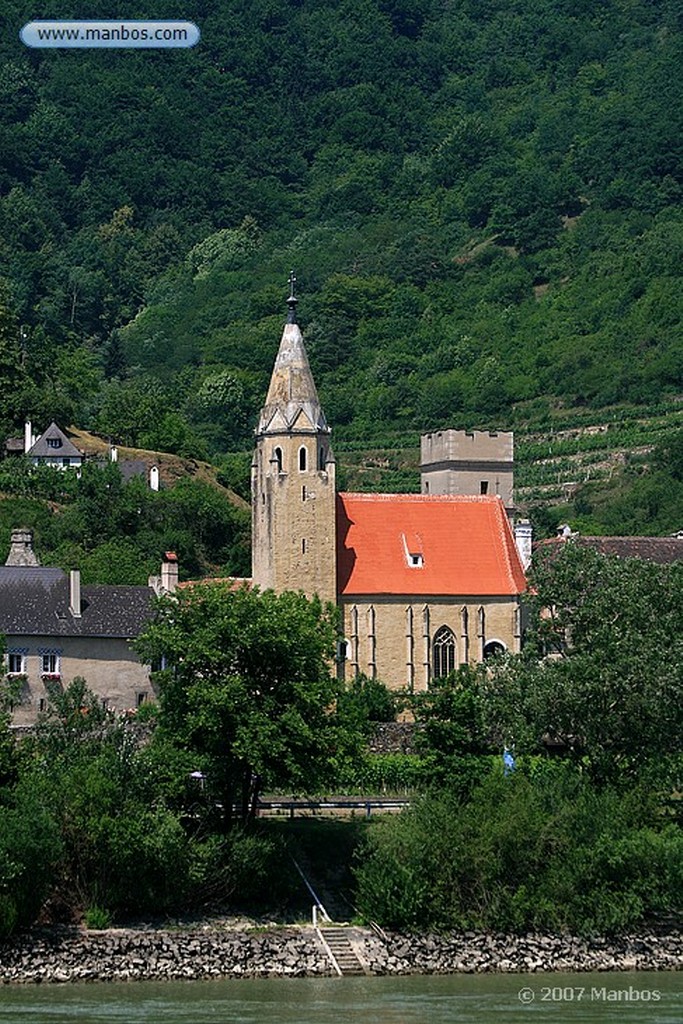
[(293, 477), (292, 401)]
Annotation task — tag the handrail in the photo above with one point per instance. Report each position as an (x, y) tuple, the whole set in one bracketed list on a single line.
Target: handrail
[(316, 898), (379, 804)]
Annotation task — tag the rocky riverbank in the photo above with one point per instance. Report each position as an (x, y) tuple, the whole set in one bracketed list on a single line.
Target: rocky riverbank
[(63, 954)]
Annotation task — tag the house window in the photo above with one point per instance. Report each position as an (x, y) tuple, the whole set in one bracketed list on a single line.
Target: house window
[(303, 458), (484, 487), (443, 653), (16, 664), (277, 456), (54, 442), (49, 664), (140, 698), (415, 561), (321, 458)]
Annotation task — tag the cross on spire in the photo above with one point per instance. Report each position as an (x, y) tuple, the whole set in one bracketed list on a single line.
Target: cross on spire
[(292, 300)]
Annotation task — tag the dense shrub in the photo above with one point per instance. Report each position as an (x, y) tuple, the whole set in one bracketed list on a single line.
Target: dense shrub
[(242, 869), (29, 850), (548, 853)]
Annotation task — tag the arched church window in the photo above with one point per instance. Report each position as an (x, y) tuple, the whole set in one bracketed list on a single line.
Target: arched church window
[(494, 649), (443, 653), (277, 458), (303, 458)]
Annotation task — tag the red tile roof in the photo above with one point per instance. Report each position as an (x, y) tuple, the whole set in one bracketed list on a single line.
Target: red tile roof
[(466, 545)]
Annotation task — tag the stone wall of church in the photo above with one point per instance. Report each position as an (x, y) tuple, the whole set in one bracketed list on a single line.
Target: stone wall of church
[(392, 638)]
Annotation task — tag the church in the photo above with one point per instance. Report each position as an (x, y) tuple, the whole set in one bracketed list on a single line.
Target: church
[(425, 582)]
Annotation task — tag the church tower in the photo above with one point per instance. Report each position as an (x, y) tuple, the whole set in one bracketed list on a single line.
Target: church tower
[(293, 478)]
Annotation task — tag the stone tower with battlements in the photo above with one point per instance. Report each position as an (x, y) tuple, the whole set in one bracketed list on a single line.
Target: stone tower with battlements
[(293, 478), (475, 462)]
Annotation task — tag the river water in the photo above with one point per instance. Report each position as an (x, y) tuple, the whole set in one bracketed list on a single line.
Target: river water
[(629, 998)]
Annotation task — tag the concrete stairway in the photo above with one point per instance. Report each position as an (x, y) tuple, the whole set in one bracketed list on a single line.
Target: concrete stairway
[(342, 955)]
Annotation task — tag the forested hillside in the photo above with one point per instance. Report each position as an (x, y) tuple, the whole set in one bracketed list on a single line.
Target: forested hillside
[(480, 198)]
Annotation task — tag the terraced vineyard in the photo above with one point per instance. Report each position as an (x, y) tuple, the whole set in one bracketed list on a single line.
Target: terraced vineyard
[(553, 460), (552, 463)]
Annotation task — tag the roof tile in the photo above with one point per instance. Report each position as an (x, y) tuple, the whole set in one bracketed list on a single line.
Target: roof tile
[(466, 545)]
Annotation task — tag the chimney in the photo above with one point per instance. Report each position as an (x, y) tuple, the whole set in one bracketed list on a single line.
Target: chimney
[(114, 453), (28, 436), (524, 534), (169, 572), (21, 549), (75, 593), (154, 478)]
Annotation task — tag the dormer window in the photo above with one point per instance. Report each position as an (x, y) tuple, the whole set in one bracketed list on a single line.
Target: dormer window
[(412, 548), (54, 442)]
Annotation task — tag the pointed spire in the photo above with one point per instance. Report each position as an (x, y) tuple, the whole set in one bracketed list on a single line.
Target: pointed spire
[(292, 401)]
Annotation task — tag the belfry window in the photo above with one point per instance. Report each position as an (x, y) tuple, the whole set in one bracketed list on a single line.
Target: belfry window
[(303, 458), (443, 653), (321, 458), (277, 458)]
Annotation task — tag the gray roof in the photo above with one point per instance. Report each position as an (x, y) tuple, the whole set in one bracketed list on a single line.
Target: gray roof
[(34, 601), (132, 468), (664, 550), (41, 449)]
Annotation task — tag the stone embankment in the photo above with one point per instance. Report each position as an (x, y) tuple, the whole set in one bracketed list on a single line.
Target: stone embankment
[(62, 954), (475, 953)]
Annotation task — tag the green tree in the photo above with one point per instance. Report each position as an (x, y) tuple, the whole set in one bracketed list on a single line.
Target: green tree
[(602, 669), (10, 690), (248, 687), (451, 733), (30, 849), (122, 844)]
